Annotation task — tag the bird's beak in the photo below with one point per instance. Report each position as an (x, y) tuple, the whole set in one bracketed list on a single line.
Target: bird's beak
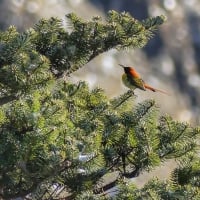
[(122, 65)]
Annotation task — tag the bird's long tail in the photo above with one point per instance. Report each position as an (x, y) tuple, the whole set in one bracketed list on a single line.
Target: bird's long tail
[(155, 90)]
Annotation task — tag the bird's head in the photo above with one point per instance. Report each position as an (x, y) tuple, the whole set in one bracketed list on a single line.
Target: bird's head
[(130, 70), (126, 69)]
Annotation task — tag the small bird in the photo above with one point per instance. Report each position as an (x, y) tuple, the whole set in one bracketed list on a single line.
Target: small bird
[(132, 80)]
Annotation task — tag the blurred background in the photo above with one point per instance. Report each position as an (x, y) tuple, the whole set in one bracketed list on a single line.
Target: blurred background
[(170, 61)]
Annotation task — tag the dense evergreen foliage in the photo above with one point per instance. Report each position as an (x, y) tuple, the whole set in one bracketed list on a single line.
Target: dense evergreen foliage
[(62, 139)]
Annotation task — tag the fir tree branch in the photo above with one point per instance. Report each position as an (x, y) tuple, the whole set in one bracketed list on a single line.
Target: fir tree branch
[(49, 122), (120, 100), (7, 99)]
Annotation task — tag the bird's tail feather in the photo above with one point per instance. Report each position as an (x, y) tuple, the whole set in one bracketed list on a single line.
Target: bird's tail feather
[(155, 90)]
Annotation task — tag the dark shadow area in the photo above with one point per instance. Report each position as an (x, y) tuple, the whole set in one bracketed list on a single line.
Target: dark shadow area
[(194, 24)]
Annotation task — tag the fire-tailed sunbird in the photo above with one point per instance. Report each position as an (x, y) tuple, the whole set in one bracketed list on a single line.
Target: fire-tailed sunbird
[(132, 80)]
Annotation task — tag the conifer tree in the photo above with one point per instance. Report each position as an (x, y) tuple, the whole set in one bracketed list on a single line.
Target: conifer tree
[(60, 139)]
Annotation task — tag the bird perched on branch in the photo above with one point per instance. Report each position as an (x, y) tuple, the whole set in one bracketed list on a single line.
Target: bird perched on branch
[(132, 80)]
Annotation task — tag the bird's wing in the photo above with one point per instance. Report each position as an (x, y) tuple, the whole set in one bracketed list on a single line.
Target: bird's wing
[(137, 82)]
